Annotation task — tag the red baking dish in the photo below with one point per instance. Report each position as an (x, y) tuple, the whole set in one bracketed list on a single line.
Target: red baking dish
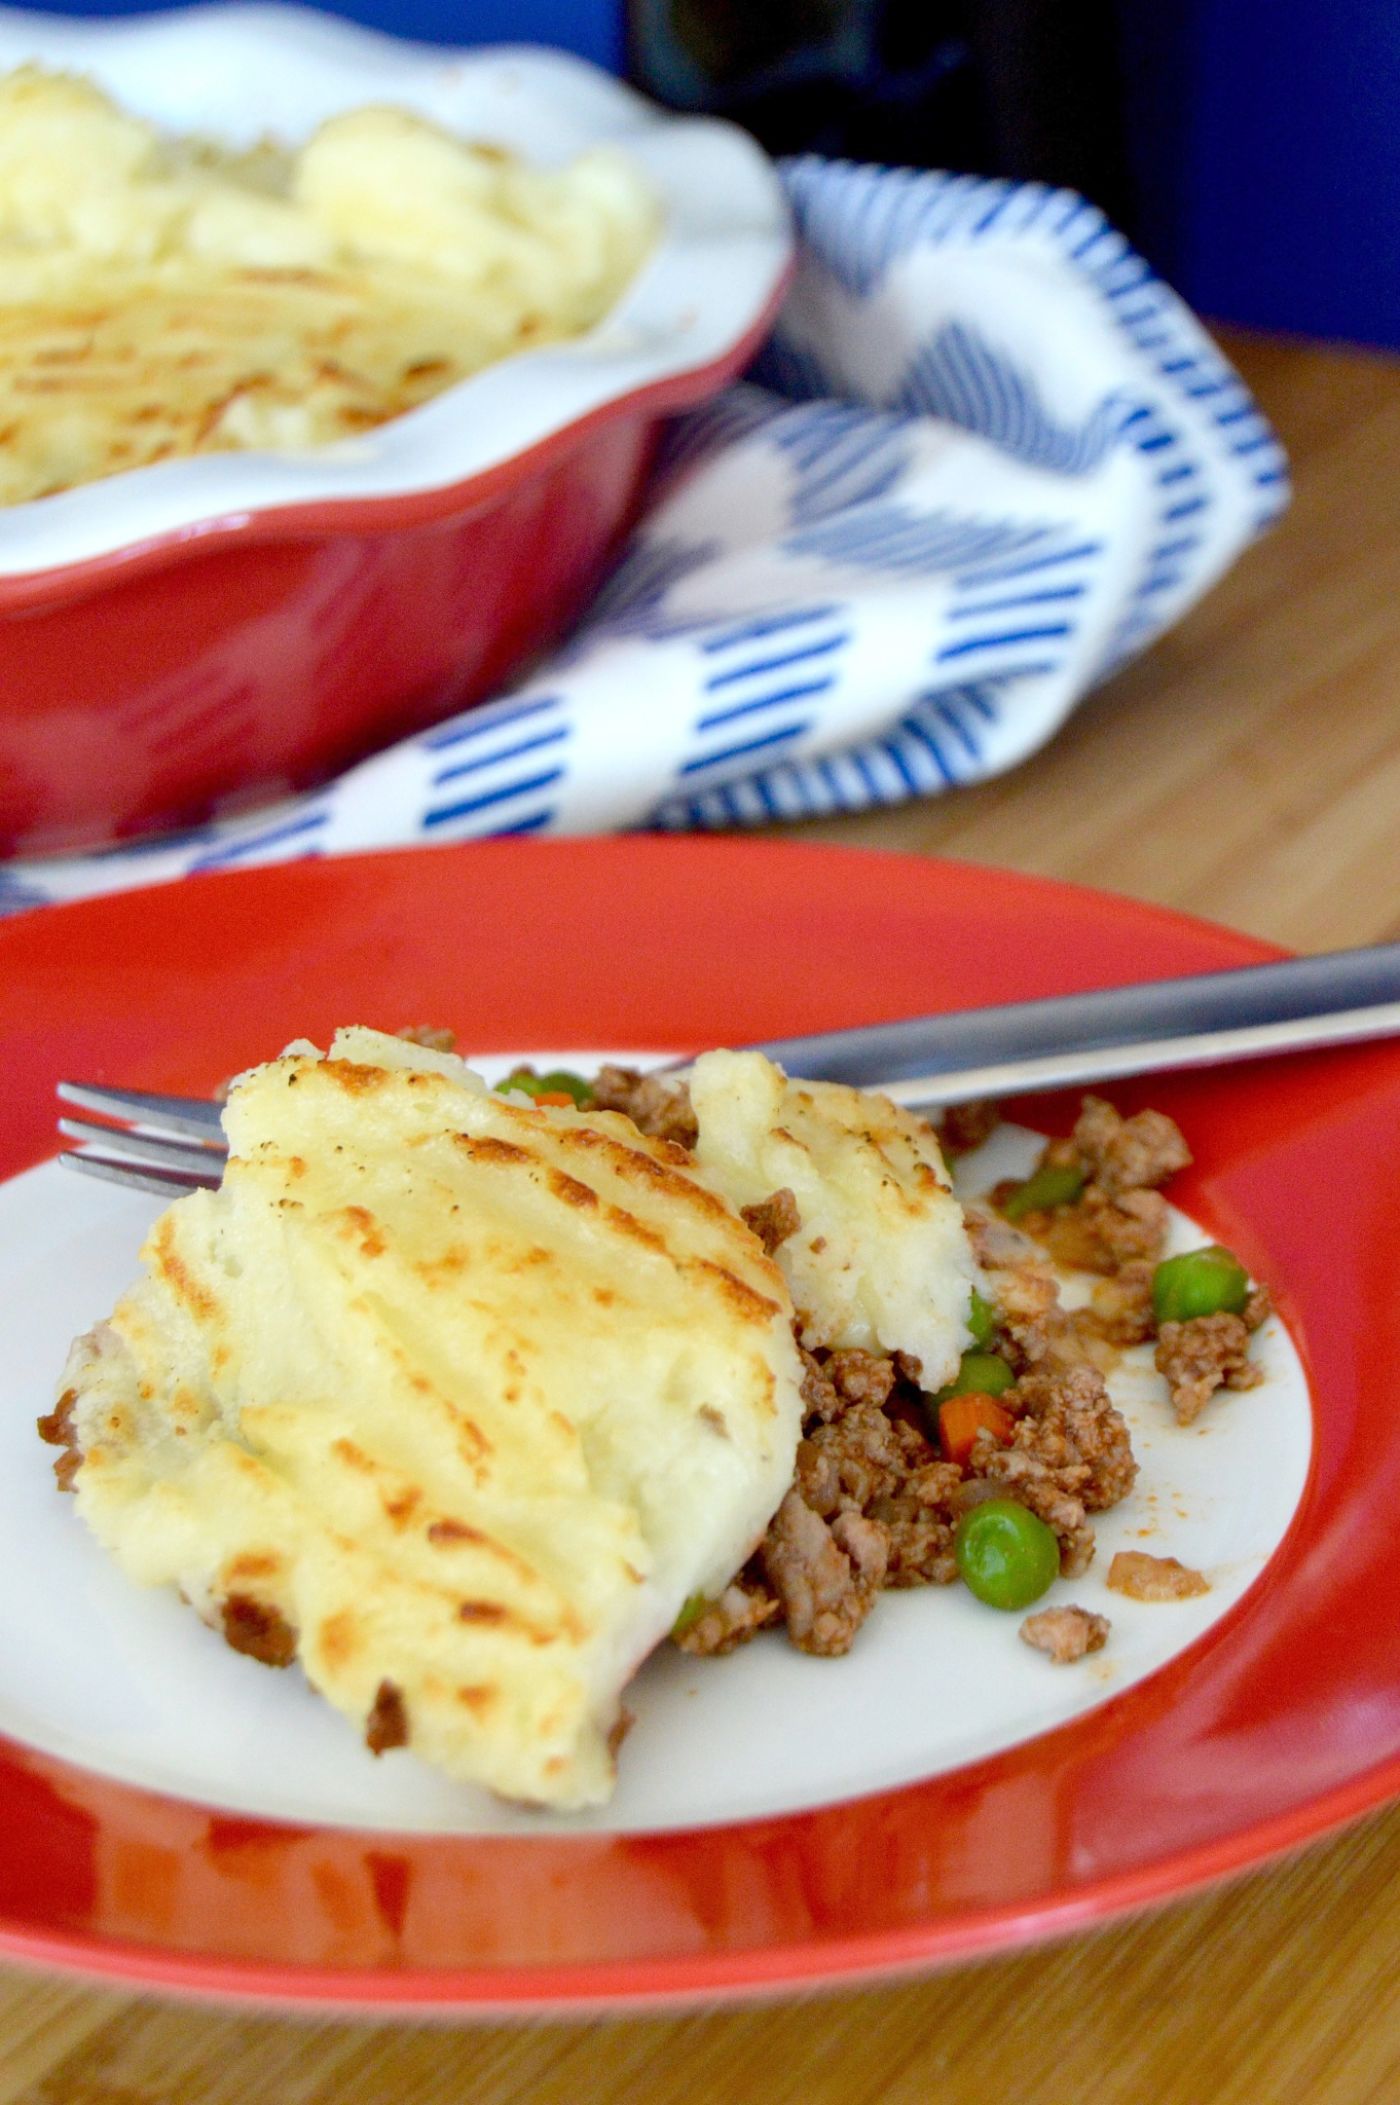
[(206, 633)]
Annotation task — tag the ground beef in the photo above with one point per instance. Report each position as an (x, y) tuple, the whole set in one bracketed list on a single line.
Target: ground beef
[(1117, 1227), (1203, 1355), (1033, 1482), (919, 1546), (1101, 1234), (919, 1519), (657, 1104), (834, 1380), (1069, 1422), (1128, 1154), (58, 1429), (846, 1465), (1258, 1308), (861, 1377), (1119, 1219), (820, 1396), (825, 1576), (260, 1631), (962, 1127), (387, 1723), (1066, 1634), (1035, 1330), (435, 1036), (1121, 1309), (773, 1219), (1145, 1578), (741, 1611)]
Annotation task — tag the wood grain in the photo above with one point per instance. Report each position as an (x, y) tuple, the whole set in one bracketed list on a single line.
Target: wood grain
[(1248, 769)]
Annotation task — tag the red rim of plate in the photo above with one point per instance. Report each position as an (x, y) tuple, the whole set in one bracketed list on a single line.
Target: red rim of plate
[(1277, 1726)]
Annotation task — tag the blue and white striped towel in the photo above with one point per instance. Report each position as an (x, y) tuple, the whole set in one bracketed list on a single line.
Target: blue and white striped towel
[(986, 457)]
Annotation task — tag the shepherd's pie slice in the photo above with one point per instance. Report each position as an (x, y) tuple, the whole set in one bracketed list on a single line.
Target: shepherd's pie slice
[(452, 1398)]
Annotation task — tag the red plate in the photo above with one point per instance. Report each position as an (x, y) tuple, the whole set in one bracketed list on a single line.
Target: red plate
[(1281, 1723)]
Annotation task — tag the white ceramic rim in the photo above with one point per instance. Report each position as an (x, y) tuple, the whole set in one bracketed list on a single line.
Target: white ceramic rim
[(241, 71)]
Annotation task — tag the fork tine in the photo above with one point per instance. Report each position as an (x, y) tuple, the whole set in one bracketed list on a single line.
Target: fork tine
[(193, 1160), (196, 1117), (167, 1184)]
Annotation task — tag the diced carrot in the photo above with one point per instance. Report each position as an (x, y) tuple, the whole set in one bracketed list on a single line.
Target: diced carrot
[(963, 1417), (561, 1097)]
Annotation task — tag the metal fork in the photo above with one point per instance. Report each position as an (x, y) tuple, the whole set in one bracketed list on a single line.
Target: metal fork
[(169, 1144)]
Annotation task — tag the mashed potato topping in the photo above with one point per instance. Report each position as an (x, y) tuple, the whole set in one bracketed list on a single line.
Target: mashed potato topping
[(160, 296), (881, 1262), (455, 1399)]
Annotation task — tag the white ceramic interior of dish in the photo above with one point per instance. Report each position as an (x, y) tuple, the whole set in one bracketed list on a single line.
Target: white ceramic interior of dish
[(130, 1683), (238, 73)]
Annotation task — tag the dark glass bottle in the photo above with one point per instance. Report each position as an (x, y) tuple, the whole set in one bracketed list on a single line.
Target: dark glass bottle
[(1024, 88)]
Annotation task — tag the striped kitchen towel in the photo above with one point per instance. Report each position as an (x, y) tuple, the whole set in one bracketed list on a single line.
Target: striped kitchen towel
[(985, 458)]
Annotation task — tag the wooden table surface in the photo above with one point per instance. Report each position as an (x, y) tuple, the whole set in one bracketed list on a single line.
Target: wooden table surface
[(1248, 769)]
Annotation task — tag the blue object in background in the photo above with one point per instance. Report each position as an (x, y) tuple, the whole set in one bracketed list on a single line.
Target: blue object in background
[(1263, 135), (593, 28), (1266, 141)]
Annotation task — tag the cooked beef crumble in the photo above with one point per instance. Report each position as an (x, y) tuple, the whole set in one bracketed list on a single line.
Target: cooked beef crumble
[(741, 1611), (434, 1037), (387, 1724), (1121, 1309), (963, 1127), (825, 1574), (1145, 1578), (773, 1219), (257, 1629), (657, 1104), (1128, 1154), (1203, 1355), (57, 1428), (1065, 1634), (1101, 1233)]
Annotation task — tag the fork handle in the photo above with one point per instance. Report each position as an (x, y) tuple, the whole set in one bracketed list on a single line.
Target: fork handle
[(1292, 1003)]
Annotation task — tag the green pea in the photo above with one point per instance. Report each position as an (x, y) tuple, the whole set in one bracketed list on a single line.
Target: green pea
[(1207, 1282), (984, 1372), (690, 1614), (559, 1083), (1053, 1184), (982, 1320), (1005, 1555)]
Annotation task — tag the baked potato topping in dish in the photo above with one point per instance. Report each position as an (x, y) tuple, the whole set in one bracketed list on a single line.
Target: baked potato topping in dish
[(163, 296), (458, 1398)]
